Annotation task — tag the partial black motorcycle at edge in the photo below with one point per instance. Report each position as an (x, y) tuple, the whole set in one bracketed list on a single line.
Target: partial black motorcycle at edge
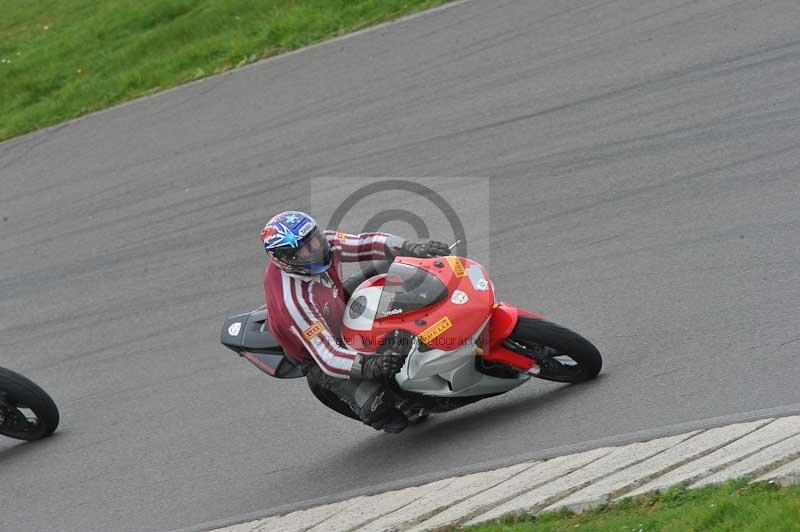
[(26, 411)]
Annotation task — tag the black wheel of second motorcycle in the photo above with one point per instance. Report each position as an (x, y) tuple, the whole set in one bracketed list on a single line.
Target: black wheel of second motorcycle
[(562, 355), (26, 411)]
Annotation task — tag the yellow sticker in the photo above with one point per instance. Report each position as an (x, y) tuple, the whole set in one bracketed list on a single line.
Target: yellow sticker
[(341, 236), (457, 266), (435, 330), (314, 330)]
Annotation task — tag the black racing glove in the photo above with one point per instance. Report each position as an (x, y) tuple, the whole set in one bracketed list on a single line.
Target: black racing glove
[(377, 366), (424, 250)]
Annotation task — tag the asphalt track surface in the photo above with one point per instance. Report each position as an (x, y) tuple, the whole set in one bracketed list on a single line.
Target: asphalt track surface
[(645, 180)]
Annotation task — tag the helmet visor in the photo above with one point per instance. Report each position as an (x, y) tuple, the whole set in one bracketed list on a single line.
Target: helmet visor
[(314, 251)]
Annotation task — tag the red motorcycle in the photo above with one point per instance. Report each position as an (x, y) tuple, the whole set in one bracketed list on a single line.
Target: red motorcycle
[(460, 344)]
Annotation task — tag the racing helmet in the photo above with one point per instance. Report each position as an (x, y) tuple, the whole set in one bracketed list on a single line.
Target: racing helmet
[(296, 244)]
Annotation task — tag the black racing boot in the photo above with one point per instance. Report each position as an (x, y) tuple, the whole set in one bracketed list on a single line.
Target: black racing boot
[(394, 423)]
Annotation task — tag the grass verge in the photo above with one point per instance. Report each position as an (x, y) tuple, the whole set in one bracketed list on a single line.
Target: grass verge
[(735, 507), (63, 58)]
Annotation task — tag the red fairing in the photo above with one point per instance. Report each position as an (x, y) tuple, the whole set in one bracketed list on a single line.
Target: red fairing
[(510, 358), (504, 319), (444, 325)]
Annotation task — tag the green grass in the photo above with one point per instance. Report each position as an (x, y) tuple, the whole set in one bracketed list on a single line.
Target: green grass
[(63, 58), (733, 507)]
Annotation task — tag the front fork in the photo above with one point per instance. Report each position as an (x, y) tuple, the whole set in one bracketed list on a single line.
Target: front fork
[(499, 347)]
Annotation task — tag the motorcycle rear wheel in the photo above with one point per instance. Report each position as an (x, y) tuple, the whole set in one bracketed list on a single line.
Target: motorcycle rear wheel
[(562, 355), (26, 411)]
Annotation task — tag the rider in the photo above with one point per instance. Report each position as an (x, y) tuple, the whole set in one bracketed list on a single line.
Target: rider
[(306, 298)]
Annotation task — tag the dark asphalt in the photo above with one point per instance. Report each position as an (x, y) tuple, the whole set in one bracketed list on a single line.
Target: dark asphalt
[(644, 159)]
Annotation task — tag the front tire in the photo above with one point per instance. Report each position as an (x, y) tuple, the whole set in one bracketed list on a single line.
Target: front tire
[(19, 398), (562, 355)]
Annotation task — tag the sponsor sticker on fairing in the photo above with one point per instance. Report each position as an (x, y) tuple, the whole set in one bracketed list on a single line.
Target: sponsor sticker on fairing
[(234, 329), (477, 278), (459, 297), (313, 330), (456, 265), (357, 307), (435, 330)]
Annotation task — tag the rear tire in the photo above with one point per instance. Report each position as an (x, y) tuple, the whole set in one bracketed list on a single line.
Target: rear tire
[(545, 341), (18, 392)]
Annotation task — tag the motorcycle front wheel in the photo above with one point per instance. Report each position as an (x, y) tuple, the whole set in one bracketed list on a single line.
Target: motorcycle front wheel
[(561, 354), (26, 411)]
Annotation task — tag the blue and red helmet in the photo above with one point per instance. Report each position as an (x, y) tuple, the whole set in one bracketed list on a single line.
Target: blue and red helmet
[(296, 244)]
